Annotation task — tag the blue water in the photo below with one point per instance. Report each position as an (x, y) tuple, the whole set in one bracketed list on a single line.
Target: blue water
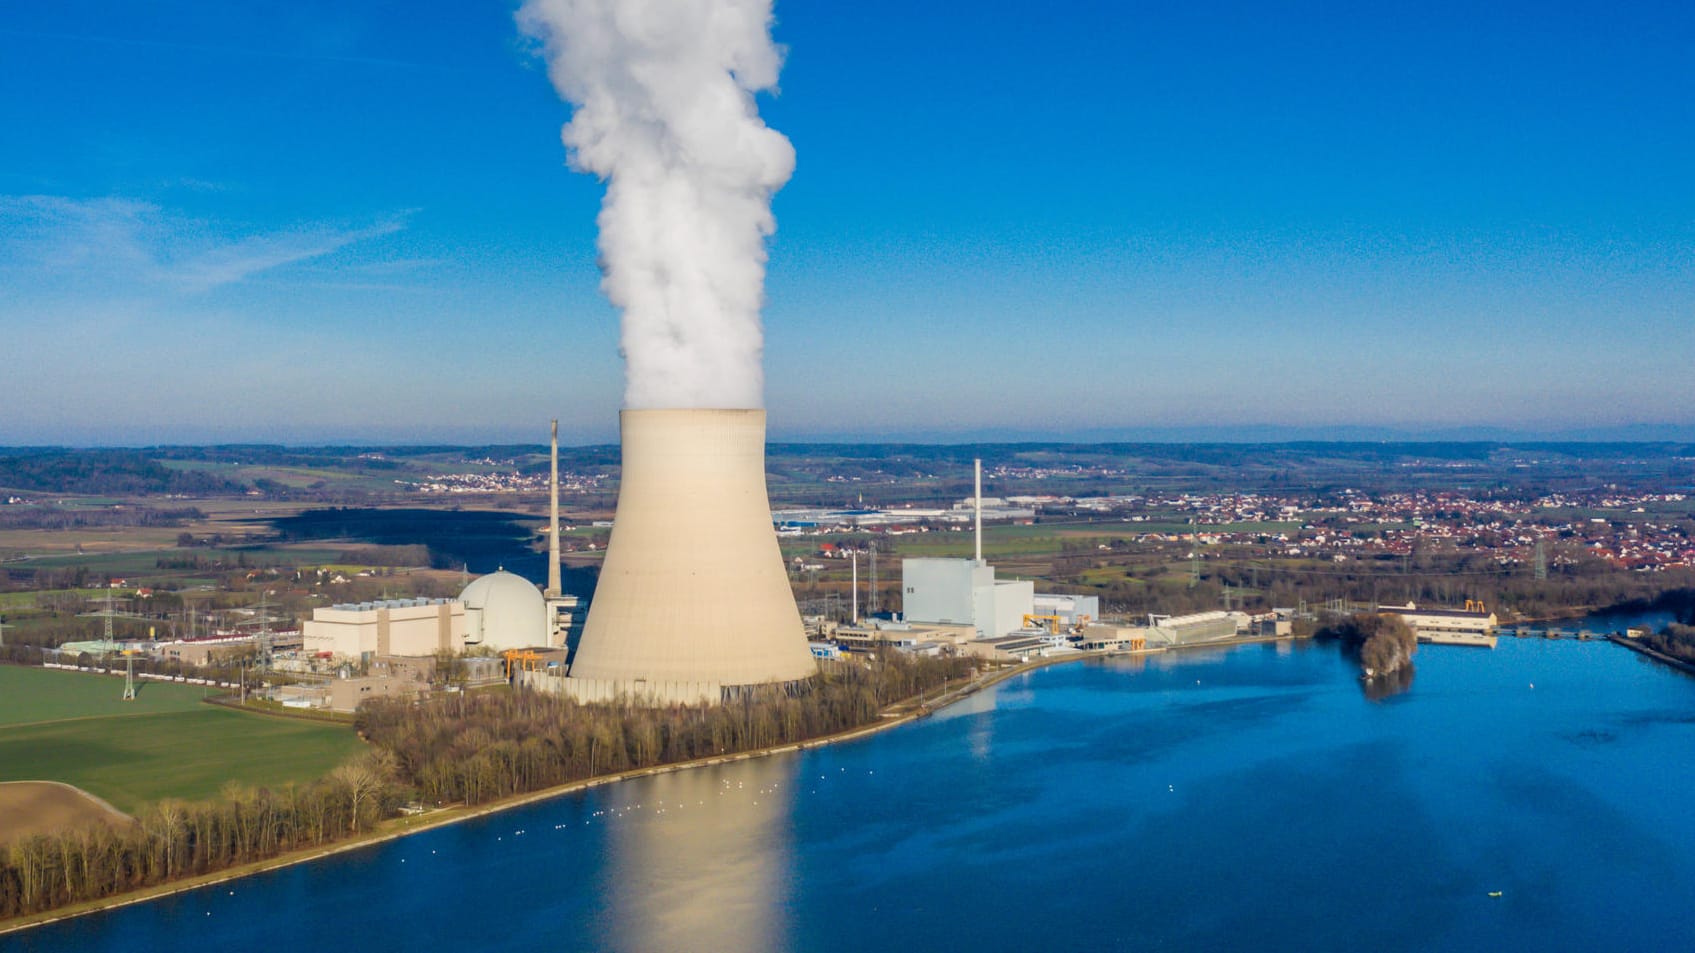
[(1239, 799)]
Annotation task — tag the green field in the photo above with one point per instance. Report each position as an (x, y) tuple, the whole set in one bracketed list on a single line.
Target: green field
[(75, 728), (27, 600), (29, 695)]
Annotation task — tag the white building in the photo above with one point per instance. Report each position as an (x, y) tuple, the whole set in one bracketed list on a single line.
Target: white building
[(1197, 627), (1070, 610), (506, 611), (964, 592), (387, 627), (498, 611), (1435, 623)]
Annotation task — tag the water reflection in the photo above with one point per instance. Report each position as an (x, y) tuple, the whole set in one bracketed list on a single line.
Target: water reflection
[(1388, 686), (1126, 664), (702, 860)]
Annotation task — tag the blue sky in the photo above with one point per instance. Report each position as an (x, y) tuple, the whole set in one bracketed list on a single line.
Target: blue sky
[(350, 221)]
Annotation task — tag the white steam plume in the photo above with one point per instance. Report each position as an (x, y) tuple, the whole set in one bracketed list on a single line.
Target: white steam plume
[(665, 116)]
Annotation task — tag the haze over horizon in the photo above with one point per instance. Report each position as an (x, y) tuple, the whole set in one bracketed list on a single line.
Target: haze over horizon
[(322, 223)]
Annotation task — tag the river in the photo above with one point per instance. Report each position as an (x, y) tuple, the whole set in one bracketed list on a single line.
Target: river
[(1223, 799)]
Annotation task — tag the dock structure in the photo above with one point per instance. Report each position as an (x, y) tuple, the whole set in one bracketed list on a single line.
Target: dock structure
[(1528, 632)]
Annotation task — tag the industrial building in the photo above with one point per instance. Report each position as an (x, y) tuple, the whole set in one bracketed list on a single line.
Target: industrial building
[(964, 592), (497, 612), (954, 592), (386, 627), (1472, 625), (1197, 627), (505, 611), (1066, 610)]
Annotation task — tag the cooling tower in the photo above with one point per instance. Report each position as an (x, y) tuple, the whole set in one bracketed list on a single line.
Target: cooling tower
[(692, 590)]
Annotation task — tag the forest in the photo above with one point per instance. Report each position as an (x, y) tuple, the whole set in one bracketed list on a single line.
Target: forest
[(472, 748)]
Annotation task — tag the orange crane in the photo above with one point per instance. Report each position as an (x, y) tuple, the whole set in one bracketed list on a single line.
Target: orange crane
[(522, 660)]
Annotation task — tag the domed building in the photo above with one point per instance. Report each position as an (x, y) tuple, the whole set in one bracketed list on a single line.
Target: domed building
[(504, 611)]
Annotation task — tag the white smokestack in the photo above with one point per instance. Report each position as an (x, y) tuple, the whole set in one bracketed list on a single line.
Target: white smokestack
[(977, 505), (664, 114), (855, 586), (554, 586)]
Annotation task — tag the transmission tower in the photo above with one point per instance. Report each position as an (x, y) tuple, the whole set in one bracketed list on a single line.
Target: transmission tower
[(129, 675), (1194, 568)]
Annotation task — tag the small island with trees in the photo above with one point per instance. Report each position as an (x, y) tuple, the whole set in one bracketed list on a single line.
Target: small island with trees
[(1384, 644)]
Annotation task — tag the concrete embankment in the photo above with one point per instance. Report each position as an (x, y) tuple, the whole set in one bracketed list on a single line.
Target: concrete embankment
[(1654, 654)]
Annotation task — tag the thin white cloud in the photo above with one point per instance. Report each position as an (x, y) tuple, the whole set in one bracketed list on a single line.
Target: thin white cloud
[(104, 245), (230, 263)]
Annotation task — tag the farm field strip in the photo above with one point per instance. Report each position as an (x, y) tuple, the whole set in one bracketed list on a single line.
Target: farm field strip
[(75, 728)]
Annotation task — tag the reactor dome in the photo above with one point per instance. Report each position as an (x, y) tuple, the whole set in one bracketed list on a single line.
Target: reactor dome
[(504, 611)]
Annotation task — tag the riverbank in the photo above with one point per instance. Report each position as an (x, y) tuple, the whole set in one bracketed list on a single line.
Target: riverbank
[(1654, 654), (895, 715)]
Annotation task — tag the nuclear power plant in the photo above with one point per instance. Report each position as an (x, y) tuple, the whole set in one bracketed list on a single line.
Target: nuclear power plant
[(693, 603)]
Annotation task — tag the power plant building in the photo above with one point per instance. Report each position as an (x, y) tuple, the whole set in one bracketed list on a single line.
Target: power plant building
[(1430, 622), (496, 612), (1197, 627), (964, 592), (506, 611), (1070, 610), (386, 627)]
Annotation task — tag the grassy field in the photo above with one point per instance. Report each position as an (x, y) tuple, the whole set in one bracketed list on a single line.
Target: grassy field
[(27, 600), (30, 695), (74, 727)]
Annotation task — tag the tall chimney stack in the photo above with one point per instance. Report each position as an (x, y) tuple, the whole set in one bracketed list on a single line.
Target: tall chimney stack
[(977, 469), (554, 586)]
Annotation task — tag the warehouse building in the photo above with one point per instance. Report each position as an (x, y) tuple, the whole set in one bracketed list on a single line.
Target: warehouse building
[(1197, 627)]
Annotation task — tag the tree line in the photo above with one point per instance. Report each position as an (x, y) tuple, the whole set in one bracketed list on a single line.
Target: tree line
[(174, 839), (478, 747), (1676, 640), (464, 747)]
